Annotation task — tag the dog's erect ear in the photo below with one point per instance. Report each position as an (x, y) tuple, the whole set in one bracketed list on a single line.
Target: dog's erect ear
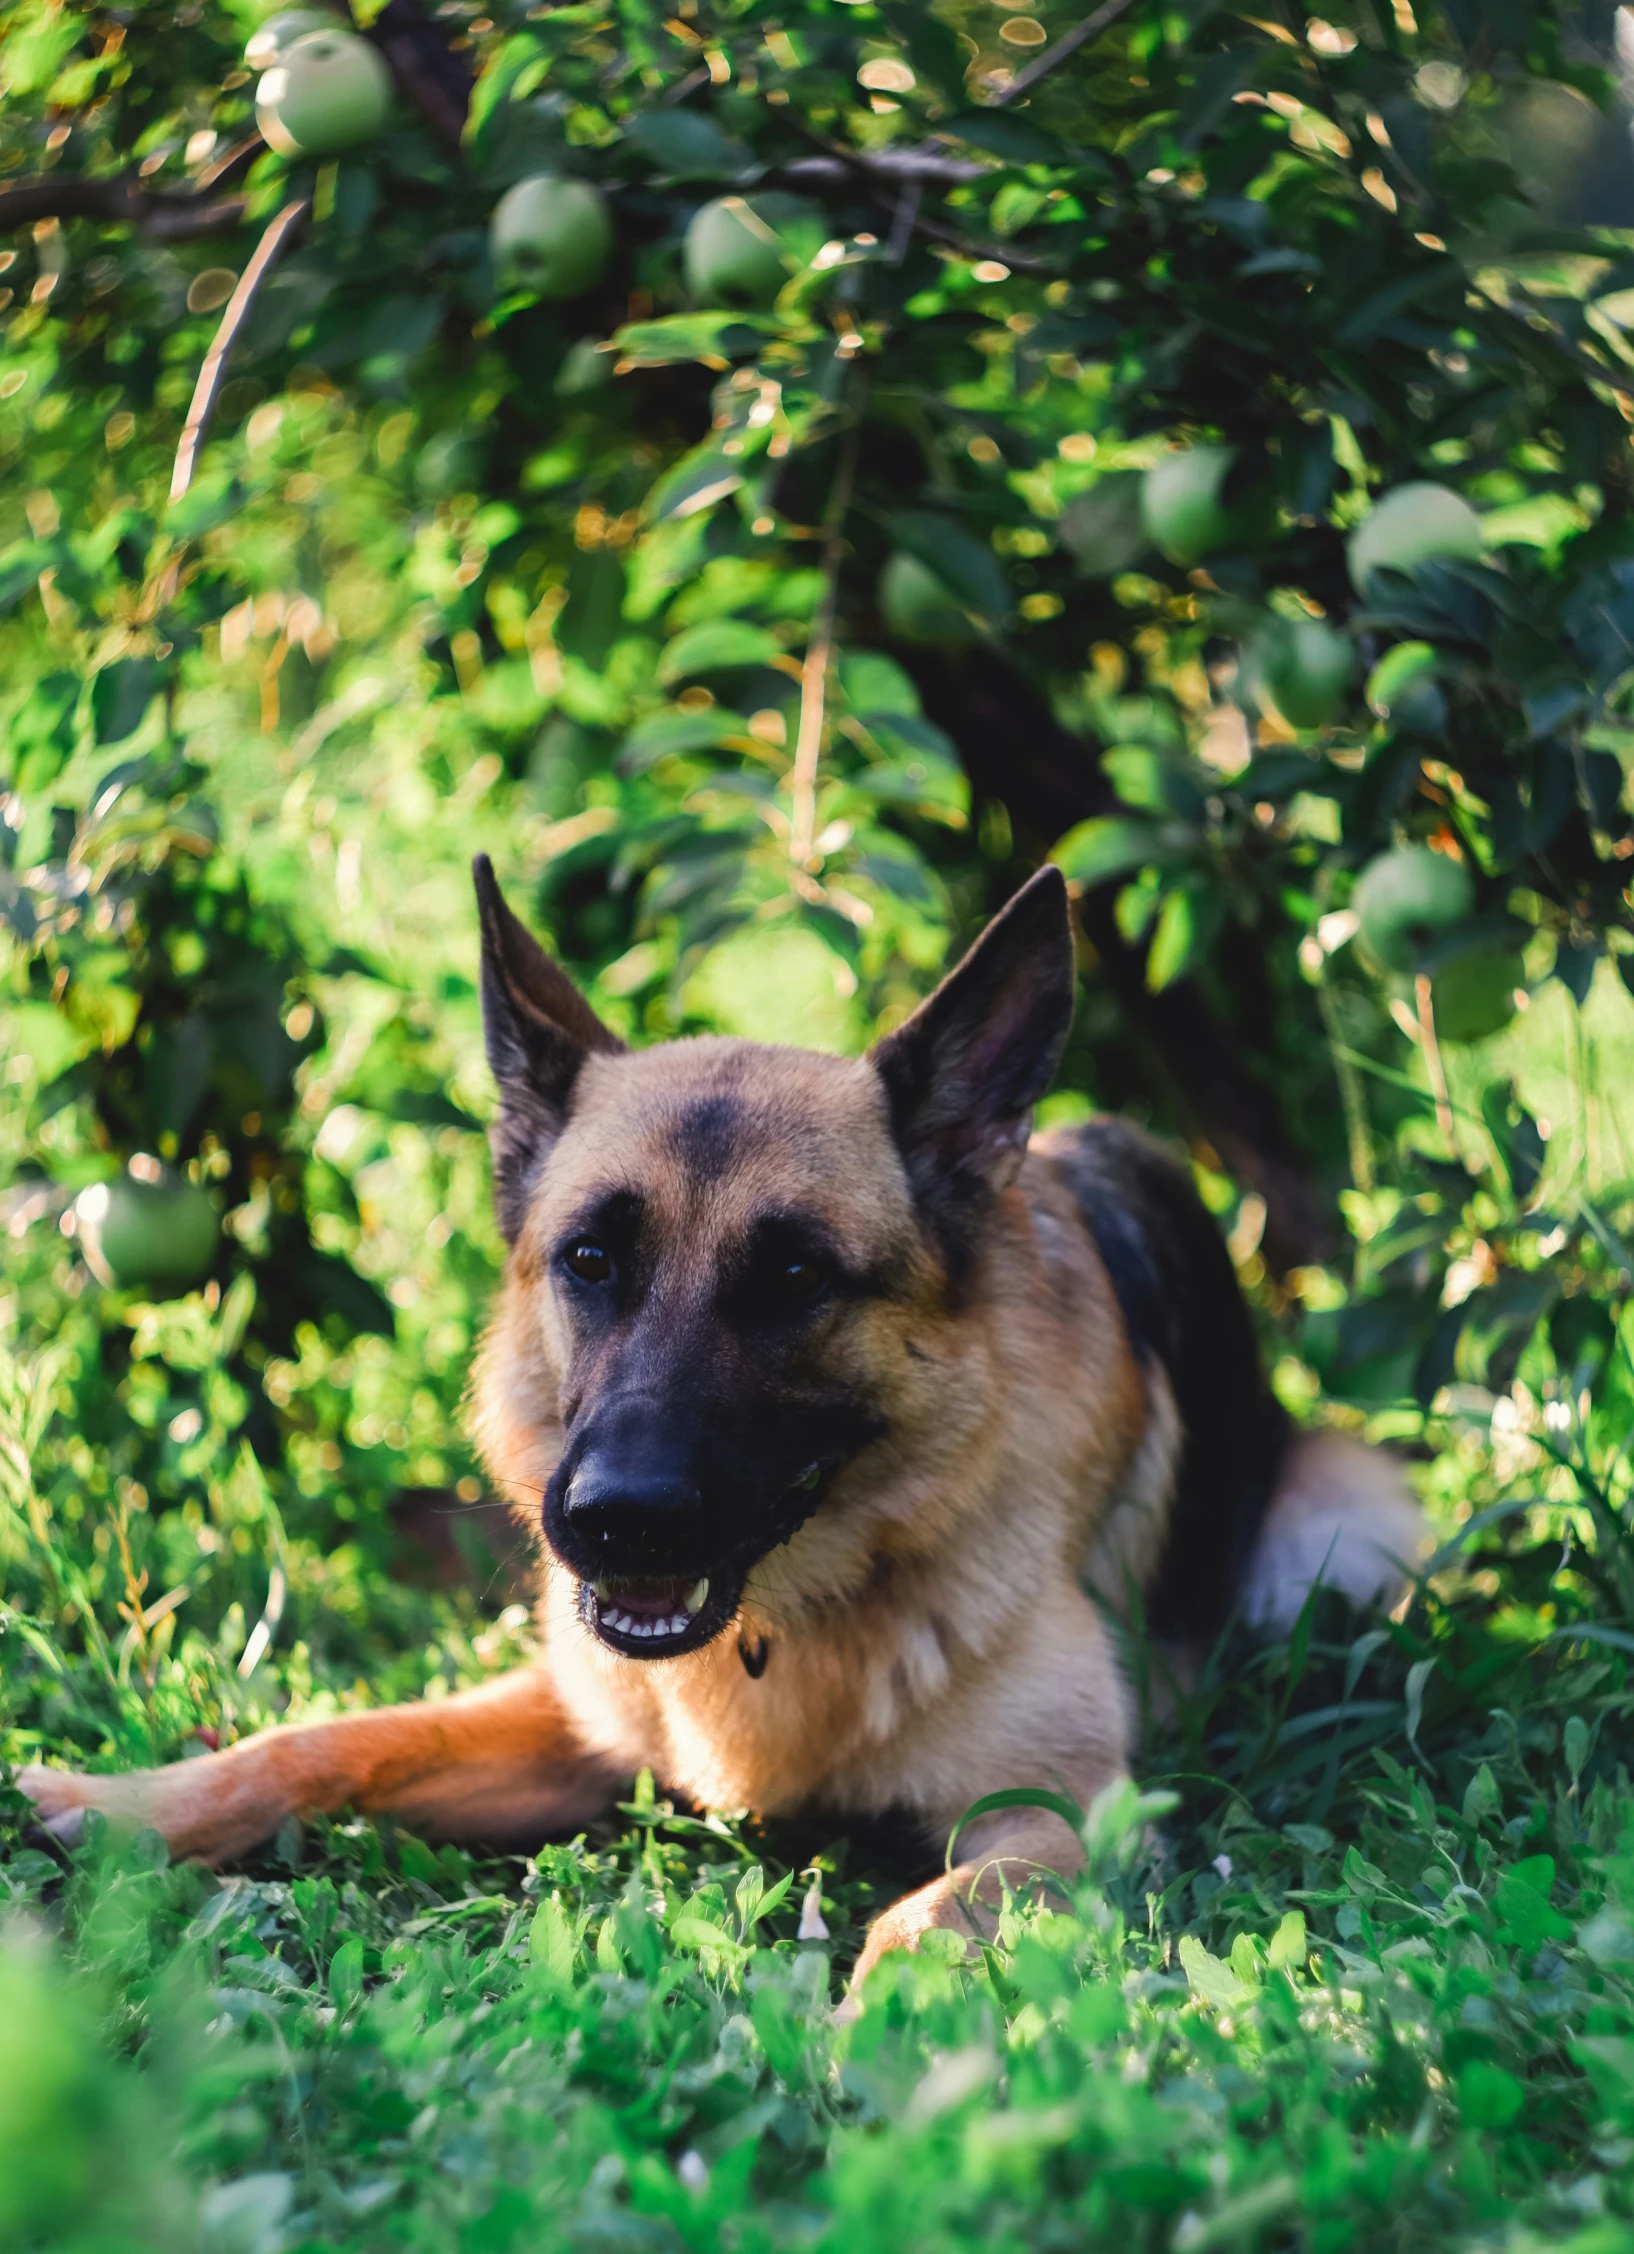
[(963, 1073), (539, 1030)]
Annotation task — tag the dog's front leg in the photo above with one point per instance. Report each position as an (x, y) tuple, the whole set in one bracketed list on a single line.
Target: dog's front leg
[(1020, 1852), (499, 1763)]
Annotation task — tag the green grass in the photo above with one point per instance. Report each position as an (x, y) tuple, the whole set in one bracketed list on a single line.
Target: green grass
[(1358, 1971)]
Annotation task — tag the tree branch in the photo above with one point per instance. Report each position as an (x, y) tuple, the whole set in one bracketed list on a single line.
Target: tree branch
[(896, 167), (120, 198), (905, 172), (808, 746), (1066, 46), (213, 374)]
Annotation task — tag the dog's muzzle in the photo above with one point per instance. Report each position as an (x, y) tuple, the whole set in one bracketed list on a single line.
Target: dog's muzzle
[(628, 1516), (650, 1511)]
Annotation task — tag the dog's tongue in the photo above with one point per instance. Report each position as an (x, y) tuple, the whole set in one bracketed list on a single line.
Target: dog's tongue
[(657, 1604), (651, 1600)]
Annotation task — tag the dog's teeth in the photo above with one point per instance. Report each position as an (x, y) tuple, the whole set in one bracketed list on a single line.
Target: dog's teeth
[(601, 1590), (697, 1595), (620, 1621), (680, 1624)]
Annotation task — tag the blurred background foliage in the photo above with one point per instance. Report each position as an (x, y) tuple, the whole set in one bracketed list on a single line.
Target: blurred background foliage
[(888, 471)]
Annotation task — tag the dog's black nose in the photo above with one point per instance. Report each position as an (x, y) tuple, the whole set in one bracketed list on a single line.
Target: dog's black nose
[(630, 1512), (632, 1501)]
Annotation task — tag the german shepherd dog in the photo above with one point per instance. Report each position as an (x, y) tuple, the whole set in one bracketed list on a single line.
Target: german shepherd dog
[(852, 1409)]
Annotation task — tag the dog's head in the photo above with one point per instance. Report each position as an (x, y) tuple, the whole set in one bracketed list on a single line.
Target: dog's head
[(713, 1244)]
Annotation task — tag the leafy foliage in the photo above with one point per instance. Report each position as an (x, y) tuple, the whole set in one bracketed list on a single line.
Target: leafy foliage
[(764, 618)]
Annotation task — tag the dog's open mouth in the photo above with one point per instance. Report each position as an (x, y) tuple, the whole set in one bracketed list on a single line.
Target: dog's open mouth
[(656, 1617)]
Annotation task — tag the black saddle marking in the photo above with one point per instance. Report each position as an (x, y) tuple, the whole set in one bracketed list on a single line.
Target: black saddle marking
[(1183, 1307)]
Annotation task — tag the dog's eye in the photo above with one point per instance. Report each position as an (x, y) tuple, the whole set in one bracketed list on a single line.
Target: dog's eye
[(799, 1282), (589, 1261)]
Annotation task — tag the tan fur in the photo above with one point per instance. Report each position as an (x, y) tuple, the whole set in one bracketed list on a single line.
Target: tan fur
[(929, 1635)]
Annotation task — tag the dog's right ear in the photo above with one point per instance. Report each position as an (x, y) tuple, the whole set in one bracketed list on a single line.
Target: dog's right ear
[(539, 1029), (963, 1073)]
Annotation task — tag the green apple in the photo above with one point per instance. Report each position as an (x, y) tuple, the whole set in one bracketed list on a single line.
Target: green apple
[(272, 40), (1406, 900), (736, 253), (1182, 504), (1306, 664), (156, 1231), (1474, 994), (1401, 689), (917, 606), (1412, 525), (329, 92), (551, 235)]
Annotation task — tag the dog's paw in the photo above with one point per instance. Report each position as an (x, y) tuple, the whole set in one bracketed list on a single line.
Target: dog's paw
[(60, 1801), (937, 1908)]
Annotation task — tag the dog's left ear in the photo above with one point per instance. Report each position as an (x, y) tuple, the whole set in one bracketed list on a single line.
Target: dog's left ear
[(963, 1073), (539, 1029)]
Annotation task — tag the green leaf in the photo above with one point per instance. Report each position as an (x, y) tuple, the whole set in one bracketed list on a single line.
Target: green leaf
[(697, 482), (704, 1933), (1013, 140), (668, 735), (1016, 1796), (686, 145), (1482, 1797), (1211, 1980), (1521, 1899), (1104, 848), (782, 2034), (552, 1943), (1187, 926), (208, 501), (514, 72), (773, 1899), (747, 1893), (935, 787), (1575, 1743), (41, 735), (964, 564), (20, 569), (1153, 781), (1489, 2098), (120, 696), (874, 684), (346, 1974), (710, 337), (1286, 1952), (719, 645)]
